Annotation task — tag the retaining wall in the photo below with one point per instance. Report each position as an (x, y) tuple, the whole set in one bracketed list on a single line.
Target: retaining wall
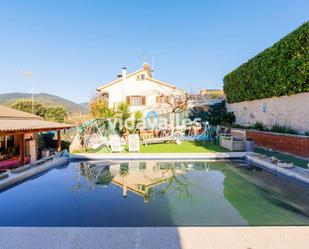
[(292, 111), (294, 144)]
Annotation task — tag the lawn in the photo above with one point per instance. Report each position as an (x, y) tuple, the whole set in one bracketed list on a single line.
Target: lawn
[(184, 147)]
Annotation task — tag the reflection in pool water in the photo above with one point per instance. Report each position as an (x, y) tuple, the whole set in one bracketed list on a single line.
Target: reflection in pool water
[(141, 177), (155, 193)]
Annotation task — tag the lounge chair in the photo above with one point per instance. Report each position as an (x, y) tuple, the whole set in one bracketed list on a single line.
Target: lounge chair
[(133, 140), (157, 140), (115, 143)]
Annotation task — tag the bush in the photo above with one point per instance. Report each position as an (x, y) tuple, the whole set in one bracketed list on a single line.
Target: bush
[(259, 126), (283, 129), (216, 115), (282, 69)]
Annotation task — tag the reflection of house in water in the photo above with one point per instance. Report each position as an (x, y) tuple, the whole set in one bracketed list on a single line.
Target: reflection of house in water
[(138, 177)]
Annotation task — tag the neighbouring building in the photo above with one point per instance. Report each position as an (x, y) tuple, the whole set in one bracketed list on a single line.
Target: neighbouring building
[(206, 97), (213, 93), (141, 91)]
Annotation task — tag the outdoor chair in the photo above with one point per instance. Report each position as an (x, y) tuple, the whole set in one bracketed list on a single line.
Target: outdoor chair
[(157, 140), (115, 143), (133, 140)]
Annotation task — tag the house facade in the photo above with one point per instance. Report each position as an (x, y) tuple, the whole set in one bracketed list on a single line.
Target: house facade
[(141, 91)]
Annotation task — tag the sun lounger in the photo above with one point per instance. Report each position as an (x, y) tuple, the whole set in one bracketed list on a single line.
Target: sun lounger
[(115, 143), (157, 140), (133, 140)]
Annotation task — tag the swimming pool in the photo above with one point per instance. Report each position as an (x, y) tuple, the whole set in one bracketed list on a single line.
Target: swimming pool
[(155, 193)]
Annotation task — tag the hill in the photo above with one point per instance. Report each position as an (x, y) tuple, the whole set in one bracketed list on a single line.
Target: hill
[(44, 98)]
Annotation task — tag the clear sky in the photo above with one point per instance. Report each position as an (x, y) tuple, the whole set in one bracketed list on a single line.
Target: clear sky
[(73, 47)]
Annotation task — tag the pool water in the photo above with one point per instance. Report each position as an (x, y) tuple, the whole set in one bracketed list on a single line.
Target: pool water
[(155, 193)]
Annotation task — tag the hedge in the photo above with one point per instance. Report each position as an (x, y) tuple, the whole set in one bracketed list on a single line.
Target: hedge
[(282, 69)]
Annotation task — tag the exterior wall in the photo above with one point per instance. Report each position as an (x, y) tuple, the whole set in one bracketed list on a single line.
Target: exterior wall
[(149, 89), (292, 111), (298, 145)]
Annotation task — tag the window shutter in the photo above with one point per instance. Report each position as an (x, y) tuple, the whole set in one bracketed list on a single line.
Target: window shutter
[(128, 100), (143, 100)]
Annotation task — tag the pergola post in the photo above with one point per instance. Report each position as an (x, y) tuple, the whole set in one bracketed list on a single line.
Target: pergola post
[(22, 149), (58, 140)]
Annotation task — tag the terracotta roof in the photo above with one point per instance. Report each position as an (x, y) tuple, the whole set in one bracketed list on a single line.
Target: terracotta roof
[(8, 125), (7, 112), (12, 120)]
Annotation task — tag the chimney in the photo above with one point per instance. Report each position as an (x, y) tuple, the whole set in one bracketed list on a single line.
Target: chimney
[(146, 66), (124, 76), (148, 69), (124, 72)]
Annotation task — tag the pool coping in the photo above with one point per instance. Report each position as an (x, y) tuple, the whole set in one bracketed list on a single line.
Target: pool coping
[(15, 178), (154, 237), (297, 173), (157, 156)]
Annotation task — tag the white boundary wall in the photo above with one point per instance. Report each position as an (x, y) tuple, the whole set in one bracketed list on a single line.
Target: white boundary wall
[(292, 111)]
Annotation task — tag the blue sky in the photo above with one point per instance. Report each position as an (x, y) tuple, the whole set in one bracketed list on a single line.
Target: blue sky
[(72, 47)]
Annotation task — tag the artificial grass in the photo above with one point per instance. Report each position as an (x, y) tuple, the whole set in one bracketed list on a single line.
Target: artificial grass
[(281, 156), (184, 147)]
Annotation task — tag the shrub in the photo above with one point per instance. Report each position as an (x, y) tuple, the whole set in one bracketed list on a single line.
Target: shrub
[(215, 115), (282, 69), (259, 126), (283, 129), (307, 133)]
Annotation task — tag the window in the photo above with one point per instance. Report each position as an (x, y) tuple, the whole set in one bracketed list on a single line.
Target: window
[(136, 100), (105, 95), (162, 99), (140, 77)]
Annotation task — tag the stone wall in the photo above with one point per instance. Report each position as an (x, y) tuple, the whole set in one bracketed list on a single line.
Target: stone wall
[(294, 144), (292, 111)]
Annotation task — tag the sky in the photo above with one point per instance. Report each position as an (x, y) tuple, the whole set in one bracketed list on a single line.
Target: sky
[(73, 47)]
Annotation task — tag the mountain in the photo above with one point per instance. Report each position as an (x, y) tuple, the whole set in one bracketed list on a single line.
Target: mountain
[(85, 106), (46, 99)]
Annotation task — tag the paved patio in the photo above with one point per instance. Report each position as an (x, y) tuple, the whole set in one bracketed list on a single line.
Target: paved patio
[(156, 238)]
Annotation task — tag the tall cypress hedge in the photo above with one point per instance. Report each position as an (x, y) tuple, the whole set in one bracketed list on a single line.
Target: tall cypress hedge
[(282, 69)]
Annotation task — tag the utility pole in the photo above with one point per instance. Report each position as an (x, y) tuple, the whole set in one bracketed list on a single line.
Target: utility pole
[(29, 75)]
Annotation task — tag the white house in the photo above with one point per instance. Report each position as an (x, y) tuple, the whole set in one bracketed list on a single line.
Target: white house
[(141, 91)]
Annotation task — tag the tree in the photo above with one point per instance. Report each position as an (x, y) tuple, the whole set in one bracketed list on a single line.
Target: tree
[(216, 114), (176, 101), (55, 114), (48, 113), (77, 119), (99, 108), (25, 105)]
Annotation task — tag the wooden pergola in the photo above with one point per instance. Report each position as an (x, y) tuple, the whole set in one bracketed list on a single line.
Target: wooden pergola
[(18, 123)]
